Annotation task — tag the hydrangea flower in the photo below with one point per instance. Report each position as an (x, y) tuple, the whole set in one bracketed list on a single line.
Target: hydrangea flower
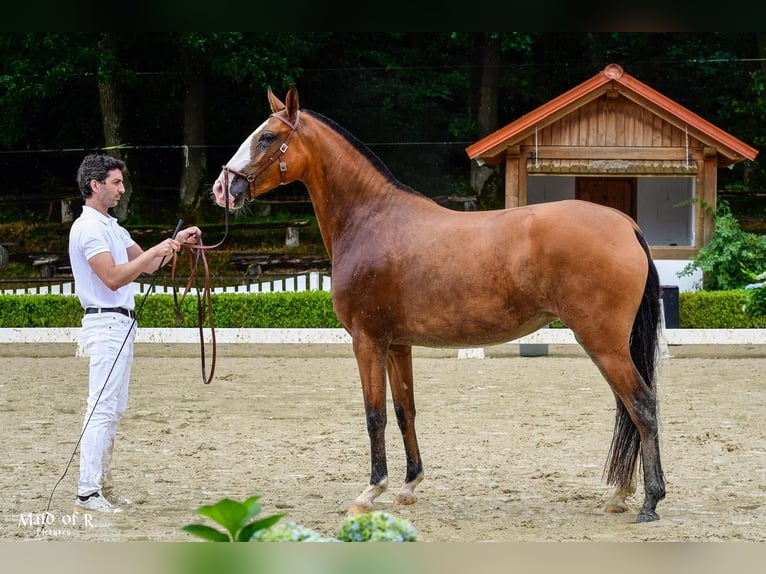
[(288, 531), (376, 526)]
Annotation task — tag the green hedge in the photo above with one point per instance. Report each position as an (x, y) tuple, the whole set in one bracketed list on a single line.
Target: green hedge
[(308, 309), (716, 310), (313, 309)]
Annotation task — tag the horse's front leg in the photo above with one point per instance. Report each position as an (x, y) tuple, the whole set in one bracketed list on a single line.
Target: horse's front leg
[(370, 358), (400, 379)]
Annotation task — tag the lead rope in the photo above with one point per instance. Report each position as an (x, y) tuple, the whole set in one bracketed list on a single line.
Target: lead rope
[(204, 301), (204, 296)]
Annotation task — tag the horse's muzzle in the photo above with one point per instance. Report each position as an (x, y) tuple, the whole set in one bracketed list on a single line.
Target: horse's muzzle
[(237, 191)]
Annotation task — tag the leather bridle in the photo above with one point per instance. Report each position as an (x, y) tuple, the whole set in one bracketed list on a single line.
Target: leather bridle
[(250, 178)]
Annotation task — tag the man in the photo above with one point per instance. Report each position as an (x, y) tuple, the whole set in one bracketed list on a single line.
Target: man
[(105, 261)]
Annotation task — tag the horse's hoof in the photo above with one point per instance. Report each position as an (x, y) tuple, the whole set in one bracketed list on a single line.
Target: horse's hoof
[(405, 499), (616, 508), (357, 508), (647, 516)]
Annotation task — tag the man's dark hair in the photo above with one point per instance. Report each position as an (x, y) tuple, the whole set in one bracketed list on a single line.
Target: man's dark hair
[(96, 166)]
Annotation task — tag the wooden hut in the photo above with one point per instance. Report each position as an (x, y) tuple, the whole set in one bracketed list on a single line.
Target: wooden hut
[(616, 141)]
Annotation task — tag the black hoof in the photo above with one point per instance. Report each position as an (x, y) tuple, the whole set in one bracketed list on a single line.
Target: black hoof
[(646, 516)]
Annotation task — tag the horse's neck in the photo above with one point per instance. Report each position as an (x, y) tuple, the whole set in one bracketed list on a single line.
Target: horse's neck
[(345, 188)]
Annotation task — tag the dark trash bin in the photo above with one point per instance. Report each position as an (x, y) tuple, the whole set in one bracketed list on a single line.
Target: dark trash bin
[(669, 294), (534, 349)]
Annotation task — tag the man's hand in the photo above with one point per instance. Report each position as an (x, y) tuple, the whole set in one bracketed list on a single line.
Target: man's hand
[(189, 235)]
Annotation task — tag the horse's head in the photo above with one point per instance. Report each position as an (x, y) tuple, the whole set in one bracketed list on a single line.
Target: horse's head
[(261, 162)]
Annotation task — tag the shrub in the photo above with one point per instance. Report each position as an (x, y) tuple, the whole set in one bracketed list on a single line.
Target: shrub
[(733, 309), (39, 311), (307, 309), (289, 532), (240, 525), (376, 526), (716, 310), (237, 519), (729, 259)]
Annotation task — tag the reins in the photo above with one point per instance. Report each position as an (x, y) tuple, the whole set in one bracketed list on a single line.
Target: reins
[(204, 296)]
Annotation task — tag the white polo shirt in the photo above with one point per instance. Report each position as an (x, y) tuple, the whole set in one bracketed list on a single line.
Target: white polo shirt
[(93, 233)]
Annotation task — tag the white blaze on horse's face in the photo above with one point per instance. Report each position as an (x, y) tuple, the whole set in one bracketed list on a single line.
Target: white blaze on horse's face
[(238, 162)]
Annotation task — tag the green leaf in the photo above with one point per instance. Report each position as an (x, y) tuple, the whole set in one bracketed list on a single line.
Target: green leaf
[(253, 508), (227, 512), (247, 532), (206, 532)]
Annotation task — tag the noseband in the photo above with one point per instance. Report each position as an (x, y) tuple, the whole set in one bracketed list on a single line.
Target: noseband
[(250, 178)]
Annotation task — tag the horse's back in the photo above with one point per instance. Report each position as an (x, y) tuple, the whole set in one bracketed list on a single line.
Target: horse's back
[(576, 215)]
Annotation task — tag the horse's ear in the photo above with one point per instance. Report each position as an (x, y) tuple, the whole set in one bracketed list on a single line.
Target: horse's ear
[(275, 103), (292, 103)]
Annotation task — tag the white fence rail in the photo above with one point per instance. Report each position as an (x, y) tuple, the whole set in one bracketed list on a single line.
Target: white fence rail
[(672, 337), (313, 281)]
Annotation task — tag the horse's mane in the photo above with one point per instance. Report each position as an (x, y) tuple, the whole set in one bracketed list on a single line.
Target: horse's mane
[(363, 149)]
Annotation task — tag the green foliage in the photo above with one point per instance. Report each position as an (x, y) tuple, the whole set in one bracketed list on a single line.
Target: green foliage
[(307, 309), (734, 309), (289, 532), (239, 523), (728, 261), (755, 304), (237, 519), (39, 311), (406, 87), (717, 310), (755, 300), (376, 526)]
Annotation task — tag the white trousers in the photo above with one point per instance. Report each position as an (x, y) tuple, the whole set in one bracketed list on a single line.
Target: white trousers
[(107, 339)]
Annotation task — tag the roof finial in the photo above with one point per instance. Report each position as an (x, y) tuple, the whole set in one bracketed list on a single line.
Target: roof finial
[(613, 71)]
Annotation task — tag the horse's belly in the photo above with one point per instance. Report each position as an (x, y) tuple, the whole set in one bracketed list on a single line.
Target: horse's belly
[(467, 331)]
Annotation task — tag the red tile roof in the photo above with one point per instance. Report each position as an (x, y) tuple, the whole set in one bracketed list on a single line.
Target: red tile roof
[(496, 143)]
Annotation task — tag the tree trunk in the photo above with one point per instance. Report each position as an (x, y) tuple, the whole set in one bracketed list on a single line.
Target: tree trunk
[(111, 113), (193, 190), (489, 85), (485, 180)]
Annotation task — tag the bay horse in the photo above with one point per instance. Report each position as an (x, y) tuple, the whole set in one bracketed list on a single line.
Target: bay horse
[(407, 271)]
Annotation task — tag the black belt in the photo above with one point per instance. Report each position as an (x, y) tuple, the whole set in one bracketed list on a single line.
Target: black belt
[(127, 312)]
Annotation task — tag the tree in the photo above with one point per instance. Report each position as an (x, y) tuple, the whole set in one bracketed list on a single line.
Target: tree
[(108, 71), (179, 101), (490, 51), (43, 71)]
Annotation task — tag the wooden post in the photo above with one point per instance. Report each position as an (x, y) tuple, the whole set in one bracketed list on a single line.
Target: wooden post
[(292, 236)]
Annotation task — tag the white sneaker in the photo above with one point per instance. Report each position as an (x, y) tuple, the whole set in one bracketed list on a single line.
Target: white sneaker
[(96, 503)]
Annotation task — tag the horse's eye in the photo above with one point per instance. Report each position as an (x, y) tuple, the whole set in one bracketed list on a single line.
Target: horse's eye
[(266, 138)]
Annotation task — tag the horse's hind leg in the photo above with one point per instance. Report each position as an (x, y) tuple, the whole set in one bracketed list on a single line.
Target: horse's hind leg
[(399, 365), (636, 431)]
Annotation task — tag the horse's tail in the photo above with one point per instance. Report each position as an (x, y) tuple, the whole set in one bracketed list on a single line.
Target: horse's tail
[(644, 347)]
